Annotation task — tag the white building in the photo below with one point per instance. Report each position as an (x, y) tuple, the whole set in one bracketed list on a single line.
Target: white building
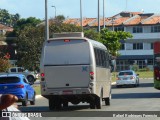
[(145, 28)]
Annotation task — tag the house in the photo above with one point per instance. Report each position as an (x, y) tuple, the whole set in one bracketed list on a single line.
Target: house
[(4, 29), (145, 28), (4, 47)]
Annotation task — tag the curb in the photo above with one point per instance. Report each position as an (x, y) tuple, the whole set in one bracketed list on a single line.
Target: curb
[(38, 96), (145, 78), (113, 83)]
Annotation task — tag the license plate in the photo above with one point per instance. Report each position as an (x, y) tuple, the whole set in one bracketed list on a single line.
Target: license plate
[(124, 78), (67, 92)]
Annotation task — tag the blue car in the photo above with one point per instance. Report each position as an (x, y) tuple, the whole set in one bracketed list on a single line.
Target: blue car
[(18, 85)]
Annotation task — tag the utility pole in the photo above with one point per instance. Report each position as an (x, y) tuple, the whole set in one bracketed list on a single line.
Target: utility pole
[(81, 15), (46, 21), (104, 14), (98, 17)]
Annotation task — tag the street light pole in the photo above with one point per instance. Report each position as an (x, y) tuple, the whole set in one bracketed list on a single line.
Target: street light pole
[(103, 13), (81, 15), (55, 10), (46, 21), (98, 17)]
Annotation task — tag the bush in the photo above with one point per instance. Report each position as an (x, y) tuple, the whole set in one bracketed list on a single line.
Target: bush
[(4, 64), (144, 69), (135, 67)]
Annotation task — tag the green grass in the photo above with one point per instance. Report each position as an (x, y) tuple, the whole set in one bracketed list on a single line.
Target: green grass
[(142, 74), (37, 89), (145, 74)]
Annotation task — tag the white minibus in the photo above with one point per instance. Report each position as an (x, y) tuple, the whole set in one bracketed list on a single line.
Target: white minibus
[(75, 69)]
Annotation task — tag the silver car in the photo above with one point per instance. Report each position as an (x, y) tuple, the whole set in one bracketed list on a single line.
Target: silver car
[(127, 77)]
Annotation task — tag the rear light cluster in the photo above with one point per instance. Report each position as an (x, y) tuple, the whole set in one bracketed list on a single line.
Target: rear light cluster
[(19, 86), (91, 75), (42, 76), (118, 78), (66, 40), (132, 77), (91, 78)]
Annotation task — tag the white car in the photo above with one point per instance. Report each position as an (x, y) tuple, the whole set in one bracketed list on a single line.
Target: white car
[(29, 75), (127, 77)]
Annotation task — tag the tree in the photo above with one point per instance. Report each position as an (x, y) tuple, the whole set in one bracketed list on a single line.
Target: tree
[(30, 40), (4, 62), (7, 18), (60, 18), (31, 21), (92, 34), (29, 44), (62, 27), (111, 39), (20, 25)]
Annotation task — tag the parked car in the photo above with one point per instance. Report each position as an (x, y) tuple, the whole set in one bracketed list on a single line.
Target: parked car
[(18, 85), (127, 77), (31, 76)]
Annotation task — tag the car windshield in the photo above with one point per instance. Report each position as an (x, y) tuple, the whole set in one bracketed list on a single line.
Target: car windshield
[(6, 80), (125, 73)]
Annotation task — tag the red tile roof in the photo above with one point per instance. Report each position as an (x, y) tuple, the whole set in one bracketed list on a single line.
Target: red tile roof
[(136, 20), (3, 27), (123, 18), (118, 21), (152, 20)]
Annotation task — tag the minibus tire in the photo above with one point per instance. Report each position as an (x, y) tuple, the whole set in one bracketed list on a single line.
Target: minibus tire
[(107, 101), (52, 105), (65, 104), (98, 102), (92, 105)]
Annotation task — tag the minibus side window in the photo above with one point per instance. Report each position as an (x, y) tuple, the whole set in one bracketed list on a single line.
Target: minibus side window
[(101, 58)]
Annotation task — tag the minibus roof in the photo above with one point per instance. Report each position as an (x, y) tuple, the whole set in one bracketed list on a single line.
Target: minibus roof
[(76, 36)]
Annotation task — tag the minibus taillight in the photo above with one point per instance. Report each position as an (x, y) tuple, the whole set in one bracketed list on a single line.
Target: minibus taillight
[(91, 75), (66, 40), (42, 74)]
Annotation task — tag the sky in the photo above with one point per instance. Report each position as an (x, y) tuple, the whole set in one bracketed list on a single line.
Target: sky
[(71, 8)]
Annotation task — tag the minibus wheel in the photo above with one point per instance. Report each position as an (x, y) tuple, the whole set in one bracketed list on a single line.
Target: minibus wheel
[(65, 104), (51, 104), (92, 104), (98, 101)]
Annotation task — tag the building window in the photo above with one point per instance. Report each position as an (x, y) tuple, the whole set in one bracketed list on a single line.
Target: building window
[(150, 62), (155, 28), (137, 46), (122, 46), (151, 45), (141, 64), (118, 28), (137, 29)]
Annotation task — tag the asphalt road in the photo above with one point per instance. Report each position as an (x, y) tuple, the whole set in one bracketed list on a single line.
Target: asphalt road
[(142, 98)]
